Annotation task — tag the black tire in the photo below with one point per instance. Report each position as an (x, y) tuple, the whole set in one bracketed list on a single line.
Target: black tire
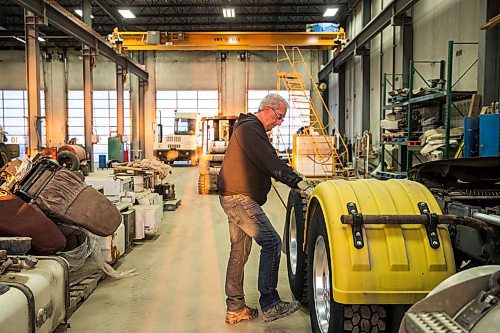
[(85, 169), (68, 160), (4, 156), (296, 259), (340, 317)]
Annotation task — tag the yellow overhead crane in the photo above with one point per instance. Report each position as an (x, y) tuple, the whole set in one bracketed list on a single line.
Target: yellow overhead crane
[(238, 41)]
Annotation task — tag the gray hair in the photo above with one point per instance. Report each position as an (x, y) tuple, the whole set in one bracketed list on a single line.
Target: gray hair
[(273, 100)]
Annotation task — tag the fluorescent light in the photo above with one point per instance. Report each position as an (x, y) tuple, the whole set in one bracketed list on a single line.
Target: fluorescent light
[(228, 12), (40, 39), (19, 39), (126, 13), (80, 13), (329, 12)]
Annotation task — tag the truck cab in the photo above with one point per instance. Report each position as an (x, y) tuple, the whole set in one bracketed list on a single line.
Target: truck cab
[(180, 146)]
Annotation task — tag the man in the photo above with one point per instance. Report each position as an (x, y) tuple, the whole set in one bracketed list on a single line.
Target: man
[(244, 182)]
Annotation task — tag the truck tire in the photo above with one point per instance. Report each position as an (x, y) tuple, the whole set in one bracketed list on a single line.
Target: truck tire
[(204, 184), (296, 259), (4, 156), (326, 314), (68, 160)]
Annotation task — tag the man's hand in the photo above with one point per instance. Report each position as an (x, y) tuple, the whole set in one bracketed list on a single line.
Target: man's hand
[(306, 186)]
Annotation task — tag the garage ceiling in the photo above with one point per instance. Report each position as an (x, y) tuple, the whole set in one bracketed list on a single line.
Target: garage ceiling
[(179, 15)]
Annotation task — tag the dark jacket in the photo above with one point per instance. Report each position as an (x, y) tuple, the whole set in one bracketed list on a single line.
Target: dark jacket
[(251, 161)]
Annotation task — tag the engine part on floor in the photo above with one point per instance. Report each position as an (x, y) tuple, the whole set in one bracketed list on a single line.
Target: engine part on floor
[(465, 302), (167, 190), (74, 157), (370, 271)]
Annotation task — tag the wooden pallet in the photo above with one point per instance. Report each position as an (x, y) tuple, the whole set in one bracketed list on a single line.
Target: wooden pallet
[(79, 292), (171, 205)]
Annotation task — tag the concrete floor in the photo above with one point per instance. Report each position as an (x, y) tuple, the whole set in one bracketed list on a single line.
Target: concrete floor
[(180, 287)]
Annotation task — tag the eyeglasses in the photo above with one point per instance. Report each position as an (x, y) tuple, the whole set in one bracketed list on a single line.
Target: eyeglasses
[(279, 116)]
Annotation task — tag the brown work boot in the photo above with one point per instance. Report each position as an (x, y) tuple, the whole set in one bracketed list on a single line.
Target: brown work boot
[(280, 310), (234, 317)]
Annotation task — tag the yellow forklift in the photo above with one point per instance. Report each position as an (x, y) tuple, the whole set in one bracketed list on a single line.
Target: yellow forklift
[(216, 132)]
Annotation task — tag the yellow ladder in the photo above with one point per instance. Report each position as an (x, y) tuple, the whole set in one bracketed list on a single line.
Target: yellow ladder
[(326, 154)]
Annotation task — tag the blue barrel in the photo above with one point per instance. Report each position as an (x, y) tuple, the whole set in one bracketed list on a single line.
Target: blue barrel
[(489, 135), (471, 132), (102, 161)]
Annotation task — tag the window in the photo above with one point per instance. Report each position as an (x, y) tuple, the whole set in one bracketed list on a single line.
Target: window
[(282, 136), (205, 103), (104, 119), (14, 117)]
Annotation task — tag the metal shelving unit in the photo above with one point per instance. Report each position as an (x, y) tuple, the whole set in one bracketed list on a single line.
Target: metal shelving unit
[(444, 100)]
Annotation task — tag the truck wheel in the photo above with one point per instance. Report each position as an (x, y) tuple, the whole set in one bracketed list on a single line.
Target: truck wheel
[(4, 156), (327, 315), (204, 184), (68, 160), (296, 259)]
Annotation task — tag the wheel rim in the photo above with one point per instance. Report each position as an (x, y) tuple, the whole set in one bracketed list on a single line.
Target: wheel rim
[(321, 284), (292, 241)]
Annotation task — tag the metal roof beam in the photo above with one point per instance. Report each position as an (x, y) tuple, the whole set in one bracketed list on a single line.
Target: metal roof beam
[(374, 27), (112, 12), (70, 24)]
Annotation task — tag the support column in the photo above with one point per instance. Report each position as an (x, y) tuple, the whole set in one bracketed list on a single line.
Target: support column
[(488, 77), (120, 80), (33, 83), (56, 110), (365, 71), (88, 62), (150, 106), (407, 45), (341, 120), (134, 114)]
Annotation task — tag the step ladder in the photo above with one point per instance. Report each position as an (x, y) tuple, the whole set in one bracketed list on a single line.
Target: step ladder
[(330, 156)]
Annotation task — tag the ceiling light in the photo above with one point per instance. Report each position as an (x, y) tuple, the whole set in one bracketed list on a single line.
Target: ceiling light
[(126, 13), (228, 12), (2, 28), (329, 12), (79, 13), (19, 39), (40, 39)]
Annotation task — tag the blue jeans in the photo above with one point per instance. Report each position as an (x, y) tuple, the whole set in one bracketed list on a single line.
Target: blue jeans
[(247, 220)]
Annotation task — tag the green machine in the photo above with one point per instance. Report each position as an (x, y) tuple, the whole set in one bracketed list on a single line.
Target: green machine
[(115, 149)]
